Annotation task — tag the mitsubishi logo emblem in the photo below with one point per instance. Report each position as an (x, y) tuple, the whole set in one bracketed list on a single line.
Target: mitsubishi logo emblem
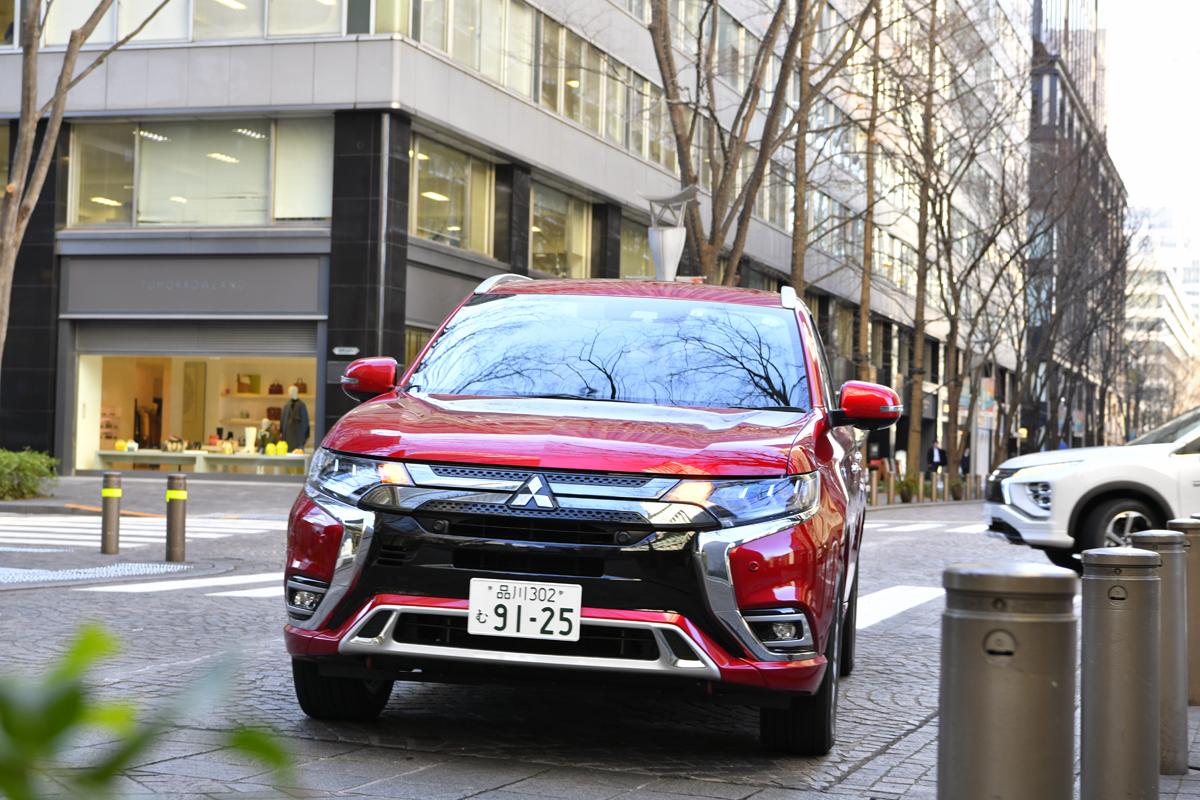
[(534, 493)]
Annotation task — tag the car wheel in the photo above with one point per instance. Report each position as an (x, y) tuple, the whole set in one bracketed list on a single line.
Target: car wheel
[(807, 726), (1111, 523), (331, 698), (849, 632)]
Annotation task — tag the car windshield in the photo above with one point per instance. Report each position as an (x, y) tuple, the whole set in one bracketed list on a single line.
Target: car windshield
[(1171, 431), (627, 349)]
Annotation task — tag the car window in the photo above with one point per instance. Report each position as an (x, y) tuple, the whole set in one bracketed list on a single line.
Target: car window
[(630, 349), (1172, 431)]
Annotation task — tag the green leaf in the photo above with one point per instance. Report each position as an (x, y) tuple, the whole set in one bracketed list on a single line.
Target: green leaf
[(261, 745), (91, 644), (118, 717)]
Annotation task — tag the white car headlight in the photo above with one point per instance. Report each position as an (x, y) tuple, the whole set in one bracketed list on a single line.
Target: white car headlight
[(742, 501), (347, 478)]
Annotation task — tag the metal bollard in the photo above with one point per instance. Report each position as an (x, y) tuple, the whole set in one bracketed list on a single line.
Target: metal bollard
[(1173, 657), (920, 488), (1007, 695), (1190, 528), (874, 488), (110, 514), (891, 488), (1119, 674), (176, 516)]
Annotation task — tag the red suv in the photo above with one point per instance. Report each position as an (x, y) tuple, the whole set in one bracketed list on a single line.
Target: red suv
[(603, 481)]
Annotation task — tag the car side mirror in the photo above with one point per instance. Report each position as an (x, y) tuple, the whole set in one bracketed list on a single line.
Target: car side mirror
[(369, 377), (867, 406)]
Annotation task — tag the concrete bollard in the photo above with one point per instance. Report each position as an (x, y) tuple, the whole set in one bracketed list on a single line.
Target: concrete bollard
[(176, 516), (891, 487), (1173, 657), (1190, 528), (110, 514), (874, 488), (921, 489), (1007, 695), (1119, 675)]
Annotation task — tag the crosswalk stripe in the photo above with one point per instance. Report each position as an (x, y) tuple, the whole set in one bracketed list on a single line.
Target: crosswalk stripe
[(6, 524), (878, 606), (261, 591), (57, 541), (916, 526), (186, 583), (977, 527), (93, 536)]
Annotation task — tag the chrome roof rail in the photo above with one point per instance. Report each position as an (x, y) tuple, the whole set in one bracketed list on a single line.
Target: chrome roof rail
[(504, 277), (787, 296)]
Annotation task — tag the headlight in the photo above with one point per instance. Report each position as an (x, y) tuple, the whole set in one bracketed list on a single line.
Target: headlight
[(348, 477), (741, 501)]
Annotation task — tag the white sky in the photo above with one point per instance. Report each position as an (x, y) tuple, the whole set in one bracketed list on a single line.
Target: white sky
[(1154, 102)]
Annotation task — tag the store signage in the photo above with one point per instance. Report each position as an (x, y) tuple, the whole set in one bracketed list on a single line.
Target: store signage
[(345, 351)]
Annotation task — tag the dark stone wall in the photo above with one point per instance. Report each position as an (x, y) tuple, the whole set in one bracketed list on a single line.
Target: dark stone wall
[(606, 240), (511, 240)]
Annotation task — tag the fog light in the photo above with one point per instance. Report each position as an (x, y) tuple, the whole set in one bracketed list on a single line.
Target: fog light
[(305, 600), (783, 630)]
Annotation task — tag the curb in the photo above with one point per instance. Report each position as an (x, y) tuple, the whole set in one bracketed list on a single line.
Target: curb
[(926, 504), (21, 507)]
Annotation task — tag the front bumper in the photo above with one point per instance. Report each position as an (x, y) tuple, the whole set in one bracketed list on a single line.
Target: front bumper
[(1005, 519)]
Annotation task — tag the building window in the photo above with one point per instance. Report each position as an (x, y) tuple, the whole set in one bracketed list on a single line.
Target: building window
[(583, 82), (169, 24), (433, 23), (391, 16), (551, 63), (194, 173), (452, 197), (102, 174), (64, 16), (521, 41), (304, 17), (616, 102), (559, 233), (635, 250), (214, 19)]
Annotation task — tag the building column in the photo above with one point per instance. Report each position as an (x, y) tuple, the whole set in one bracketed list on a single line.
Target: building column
[(28, 373), (368, 260), (511, 241), (606, 240)]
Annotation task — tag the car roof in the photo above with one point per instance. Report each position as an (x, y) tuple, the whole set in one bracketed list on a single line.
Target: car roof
[(606, 287)]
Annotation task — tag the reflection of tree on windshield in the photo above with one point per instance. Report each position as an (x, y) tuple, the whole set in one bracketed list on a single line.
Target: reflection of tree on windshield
[(644, 350)]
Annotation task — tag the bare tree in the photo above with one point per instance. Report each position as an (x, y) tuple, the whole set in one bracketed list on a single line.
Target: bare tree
[(39, 125)]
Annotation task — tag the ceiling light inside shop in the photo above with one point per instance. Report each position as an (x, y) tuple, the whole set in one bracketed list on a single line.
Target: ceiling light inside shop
[(417, 156), (152, 136), (329, 3), (249, 133), (177, 199), (436, 197), (574, 84), (224, 159), (454, 227), (106, 201), (534, 229), (234, 4)]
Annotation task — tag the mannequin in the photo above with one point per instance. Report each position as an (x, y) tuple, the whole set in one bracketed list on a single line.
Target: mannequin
[(293, 422)]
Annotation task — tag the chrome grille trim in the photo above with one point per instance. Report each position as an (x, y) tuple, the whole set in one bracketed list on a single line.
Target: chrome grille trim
[(666, 664), (507, 479)]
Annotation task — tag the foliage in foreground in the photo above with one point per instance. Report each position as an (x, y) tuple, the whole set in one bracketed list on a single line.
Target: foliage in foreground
[(23, 472), (39, 718)]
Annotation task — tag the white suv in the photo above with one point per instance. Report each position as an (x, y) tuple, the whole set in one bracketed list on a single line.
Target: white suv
[(1066, 501)]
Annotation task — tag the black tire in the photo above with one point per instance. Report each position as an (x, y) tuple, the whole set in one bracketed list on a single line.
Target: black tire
[(807, 726), (1095, 529), (849, 632), (345, 699)]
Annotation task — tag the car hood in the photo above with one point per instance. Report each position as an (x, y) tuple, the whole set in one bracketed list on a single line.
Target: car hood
[(1088, 455), (578, 435)]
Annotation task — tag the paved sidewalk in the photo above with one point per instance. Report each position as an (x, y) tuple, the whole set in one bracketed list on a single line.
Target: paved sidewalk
[(144, 494)]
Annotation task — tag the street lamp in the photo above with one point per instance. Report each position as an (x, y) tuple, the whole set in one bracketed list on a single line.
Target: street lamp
[(667, 234)]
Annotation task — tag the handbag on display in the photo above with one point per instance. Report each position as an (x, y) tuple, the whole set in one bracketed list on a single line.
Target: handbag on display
[(275, 388), (274, 413), (301, 386)]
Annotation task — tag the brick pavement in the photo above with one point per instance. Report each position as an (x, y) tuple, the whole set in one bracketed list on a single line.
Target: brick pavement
[(505, 743)]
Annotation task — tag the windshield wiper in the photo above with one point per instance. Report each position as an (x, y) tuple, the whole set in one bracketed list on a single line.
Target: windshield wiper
[(569, 396), (793, 409)]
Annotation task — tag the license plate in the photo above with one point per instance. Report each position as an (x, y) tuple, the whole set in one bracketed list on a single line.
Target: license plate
[(524, 610)]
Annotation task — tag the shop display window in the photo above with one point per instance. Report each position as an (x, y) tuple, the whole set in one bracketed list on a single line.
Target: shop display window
[(559, 233), (194, 413)]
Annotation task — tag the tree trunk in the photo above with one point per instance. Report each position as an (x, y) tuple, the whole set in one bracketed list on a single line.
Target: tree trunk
[(863, 355), (800, 202), (917, 364)]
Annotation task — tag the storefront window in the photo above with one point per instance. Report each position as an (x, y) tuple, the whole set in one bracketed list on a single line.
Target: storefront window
[(635, 250), (304, 17), (303, 169), (227, 19), (64, 16), (5, 128), (560, 234), (8, 21), (391, 16), (452, 197), (204, 173), (102, 174), (520, 48), (201, 414), (415, 340), (169, 24)]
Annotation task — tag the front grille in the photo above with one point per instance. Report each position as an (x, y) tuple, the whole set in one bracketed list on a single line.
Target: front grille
[(497, 510), (578, 479), (527, 563), (994, 492), (595, 641), (548, 526)]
